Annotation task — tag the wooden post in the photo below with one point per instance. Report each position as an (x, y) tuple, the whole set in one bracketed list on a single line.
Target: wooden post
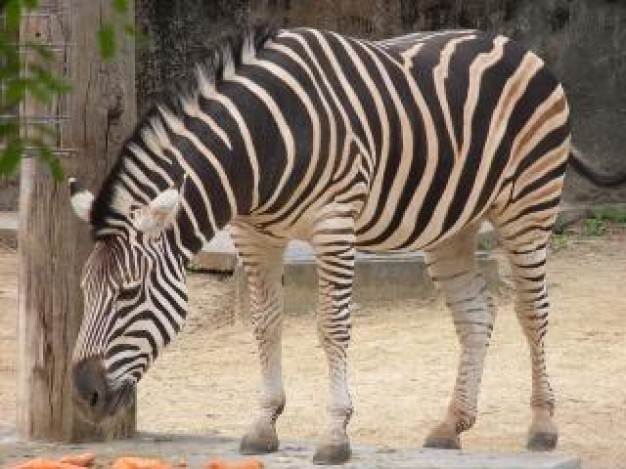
[(53, 243)]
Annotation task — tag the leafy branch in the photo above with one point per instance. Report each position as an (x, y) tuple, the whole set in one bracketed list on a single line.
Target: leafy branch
[(110, 30), (26, 73)]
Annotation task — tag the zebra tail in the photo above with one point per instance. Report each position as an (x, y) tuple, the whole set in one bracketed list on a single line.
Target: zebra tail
[(583, 168)]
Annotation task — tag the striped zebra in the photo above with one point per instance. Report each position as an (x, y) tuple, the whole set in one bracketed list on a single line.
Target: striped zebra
[(348, 144)]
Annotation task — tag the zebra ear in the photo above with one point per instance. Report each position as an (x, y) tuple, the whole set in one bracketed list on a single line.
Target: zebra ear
[(159, 213), (81, 200)]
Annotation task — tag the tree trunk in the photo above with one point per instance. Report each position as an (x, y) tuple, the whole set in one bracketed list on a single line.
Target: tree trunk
[(53, 243)]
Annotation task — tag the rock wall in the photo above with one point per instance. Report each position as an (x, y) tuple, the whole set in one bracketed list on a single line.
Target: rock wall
[(176, 35), (583, 41)]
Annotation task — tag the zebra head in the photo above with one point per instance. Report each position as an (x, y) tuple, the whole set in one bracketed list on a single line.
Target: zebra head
[(135, 300)]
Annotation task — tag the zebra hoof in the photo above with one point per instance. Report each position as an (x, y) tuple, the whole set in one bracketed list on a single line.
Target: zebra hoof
[(262, 439), (542, 441), (332, 454), (443, 437), (543, 433), (443, 443)]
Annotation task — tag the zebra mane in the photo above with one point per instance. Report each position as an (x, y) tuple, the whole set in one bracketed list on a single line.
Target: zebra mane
[(221, 62)]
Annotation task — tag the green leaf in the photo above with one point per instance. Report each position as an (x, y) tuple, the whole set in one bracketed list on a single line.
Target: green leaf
[(131, 30), (56, 169), (60, 85), (12, 15), (106, 41), (53, 162), (45, 129), (31, 4), (14, 91), (48, 81), (42, 50), (38, 90), (9, 127), (10, 60), (11, 156), (121, 6)]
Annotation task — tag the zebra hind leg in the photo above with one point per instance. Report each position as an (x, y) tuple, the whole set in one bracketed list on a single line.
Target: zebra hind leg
[(452, 266), (333, 242), (526, 242), (262, 259)]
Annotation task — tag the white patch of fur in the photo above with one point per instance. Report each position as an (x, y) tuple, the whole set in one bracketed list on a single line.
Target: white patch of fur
[(190, 104), (159, 213), (248, 51), (228, 63), (205, 81), (82, 203)]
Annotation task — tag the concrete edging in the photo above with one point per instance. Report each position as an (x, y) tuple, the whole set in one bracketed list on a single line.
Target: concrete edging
[(196, 451)]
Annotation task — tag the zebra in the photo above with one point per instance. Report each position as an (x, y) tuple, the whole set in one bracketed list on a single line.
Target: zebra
[(396, 145)]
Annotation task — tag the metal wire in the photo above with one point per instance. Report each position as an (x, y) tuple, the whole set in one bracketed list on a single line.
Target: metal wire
[(55, 114), (32, 120), (30, 151)]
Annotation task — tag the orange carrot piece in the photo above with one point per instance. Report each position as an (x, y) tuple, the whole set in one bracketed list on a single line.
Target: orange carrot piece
[(251, 463), (129, 462), (82, 460), (36, 464), (216, 464), (41, 463)]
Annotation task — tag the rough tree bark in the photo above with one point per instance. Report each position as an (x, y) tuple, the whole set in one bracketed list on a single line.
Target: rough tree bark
[(53, 243)]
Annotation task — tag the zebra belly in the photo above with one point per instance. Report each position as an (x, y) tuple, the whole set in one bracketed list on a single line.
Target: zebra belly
[(413, 233)]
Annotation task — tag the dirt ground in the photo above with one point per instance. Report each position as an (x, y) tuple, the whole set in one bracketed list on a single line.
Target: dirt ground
[(402, 365)]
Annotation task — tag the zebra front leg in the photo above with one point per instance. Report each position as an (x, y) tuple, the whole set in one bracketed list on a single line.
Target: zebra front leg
[(452, 266), (333, 243), (263, 265)]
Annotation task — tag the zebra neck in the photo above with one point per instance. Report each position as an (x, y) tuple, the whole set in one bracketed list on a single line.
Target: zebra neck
[(210, 161)]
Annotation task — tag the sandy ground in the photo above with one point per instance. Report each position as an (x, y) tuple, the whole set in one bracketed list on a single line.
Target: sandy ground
[(403, 361)]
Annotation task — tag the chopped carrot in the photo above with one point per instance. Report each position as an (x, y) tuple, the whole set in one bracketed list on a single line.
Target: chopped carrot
[(216, 464), (244, 464), (250, 464), (83, 460), (41, 463), (139, 463)]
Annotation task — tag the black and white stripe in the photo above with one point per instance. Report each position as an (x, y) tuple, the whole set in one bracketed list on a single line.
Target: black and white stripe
[(401, 144)]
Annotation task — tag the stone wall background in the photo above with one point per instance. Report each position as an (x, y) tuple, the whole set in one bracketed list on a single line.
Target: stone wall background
[(583, 41)]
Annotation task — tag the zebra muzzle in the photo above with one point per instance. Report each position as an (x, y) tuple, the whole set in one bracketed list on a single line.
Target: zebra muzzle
[(95, 398)]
